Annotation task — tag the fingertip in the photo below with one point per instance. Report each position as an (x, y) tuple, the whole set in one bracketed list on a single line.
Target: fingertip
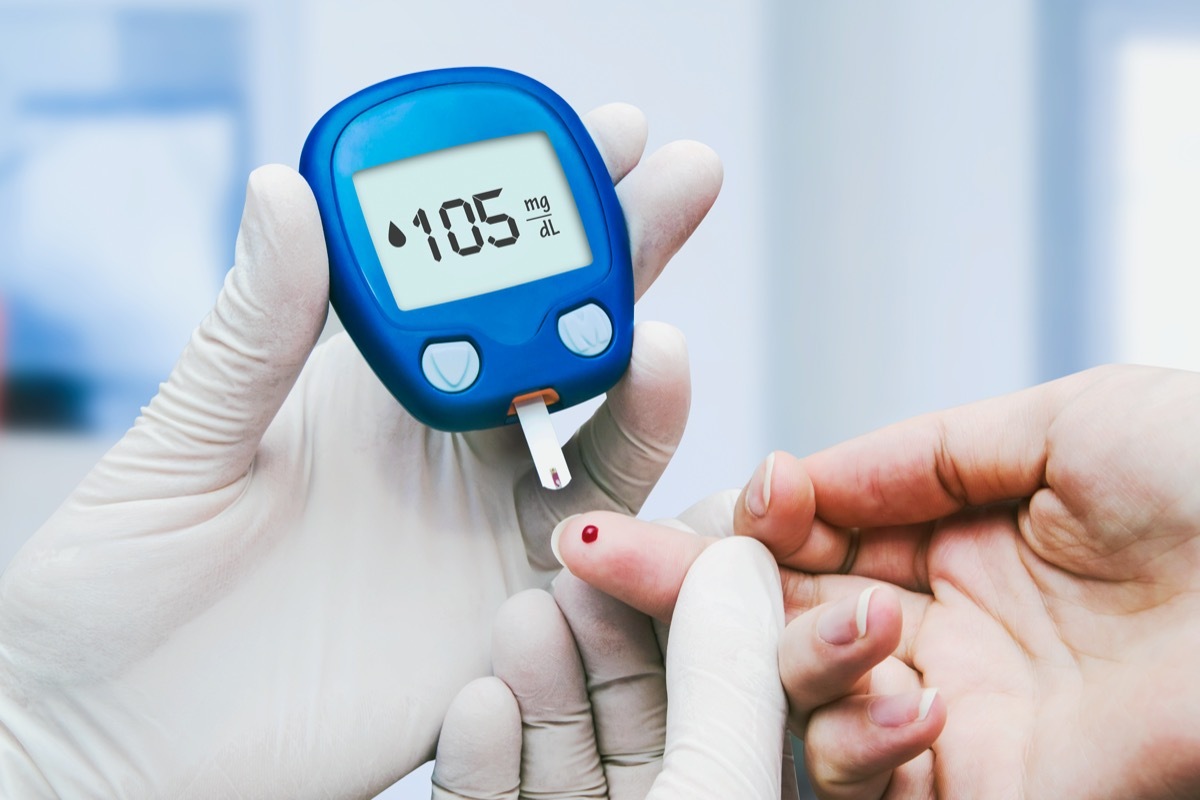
[(777, 507), (659, 347), (825, 652), (746, 569), (857, 743), (929, 697), (702, 176), (665, 199), (706, 167), (741, 562), (721, 664), (479, 747), (619, 131), (555, 536), (281, 243), (281, 207), (514, 613), (639, 563), (934, 720), (923, 710), (527, 622), (487, 700), (659, 358)]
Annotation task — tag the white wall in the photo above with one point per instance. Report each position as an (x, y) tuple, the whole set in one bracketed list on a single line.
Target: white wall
[(902, 211)]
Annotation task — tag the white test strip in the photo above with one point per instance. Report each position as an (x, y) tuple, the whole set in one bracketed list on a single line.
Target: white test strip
[(548, 457)]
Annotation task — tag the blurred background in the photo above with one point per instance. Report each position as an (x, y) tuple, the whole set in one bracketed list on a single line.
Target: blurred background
[(925, 203)]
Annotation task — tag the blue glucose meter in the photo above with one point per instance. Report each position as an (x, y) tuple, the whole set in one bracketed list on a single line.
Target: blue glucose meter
[(478, 254)]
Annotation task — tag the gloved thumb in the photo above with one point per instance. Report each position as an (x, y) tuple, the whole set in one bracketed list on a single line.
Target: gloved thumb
[(726, 709), (201, 431)]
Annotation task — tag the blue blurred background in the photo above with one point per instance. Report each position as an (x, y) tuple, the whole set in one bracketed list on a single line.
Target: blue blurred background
[(925, 203)]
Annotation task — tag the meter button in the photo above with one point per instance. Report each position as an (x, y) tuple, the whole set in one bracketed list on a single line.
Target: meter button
[(451, 366), (586, 331)]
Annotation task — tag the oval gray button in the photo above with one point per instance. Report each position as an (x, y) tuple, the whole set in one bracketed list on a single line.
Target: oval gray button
[(586, 331), (451, 366)]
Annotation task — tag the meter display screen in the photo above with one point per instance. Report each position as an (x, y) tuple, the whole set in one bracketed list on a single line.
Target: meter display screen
[(472, 219)]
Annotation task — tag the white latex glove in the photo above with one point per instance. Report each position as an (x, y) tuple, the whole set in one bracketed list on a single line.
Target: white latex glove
[(276, 582), (581, 706)]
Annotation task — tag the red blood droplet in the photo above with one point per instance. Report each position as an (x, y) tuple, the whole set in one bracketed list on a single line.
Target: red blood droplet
[(590, 533)]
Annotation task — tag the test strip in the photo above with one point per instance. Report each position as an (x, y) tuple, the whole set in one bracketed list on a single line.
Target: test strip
[(548, 457)]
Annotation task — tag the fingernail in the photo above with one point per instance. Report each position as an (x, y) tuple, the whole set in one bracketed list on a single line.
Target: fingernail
[(893, 711), (846, 620), (758, 493), (556, 535), (926, 703)]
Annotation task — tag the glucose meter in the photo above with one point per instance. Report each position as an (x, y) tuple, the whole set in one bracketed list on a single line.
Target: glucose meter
[(478, 254)]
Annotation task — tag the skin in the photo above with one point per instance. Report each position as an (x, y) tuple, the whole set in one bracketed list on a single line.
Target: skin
[(1042, 552)]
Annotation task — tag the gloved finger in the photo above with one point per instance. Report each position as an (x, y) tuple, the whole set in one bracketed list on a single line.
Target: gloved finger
[(664, 200), (853, 746), (827, 652), (534, 653), (626, 683), (201, 431), (620, 453), (619, 131), (712, 516), (479, 749), (726, 711)]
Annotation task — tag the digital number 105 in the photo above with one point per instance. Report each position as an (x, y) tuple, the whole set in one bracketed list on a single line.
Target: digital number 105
[(474, 214)]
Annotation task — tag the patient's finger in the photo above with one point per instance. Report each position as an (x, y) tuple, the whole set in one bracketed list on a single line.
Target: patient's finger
[(826, 653), (777, 507), (642, 564), (853, 746)]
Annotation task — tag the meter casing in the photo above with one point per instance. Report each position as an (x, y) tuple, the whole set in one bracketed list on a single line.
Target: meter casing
[(515, 330)]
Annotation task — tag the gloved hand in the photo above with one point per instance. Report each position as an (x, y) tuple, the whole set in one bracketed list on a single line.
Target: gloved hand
[(276, 582), (580, 705)]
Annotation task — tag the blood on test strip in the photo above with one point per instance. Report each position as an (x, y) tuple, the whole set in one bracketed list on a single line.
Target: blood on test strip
[(548, 457)]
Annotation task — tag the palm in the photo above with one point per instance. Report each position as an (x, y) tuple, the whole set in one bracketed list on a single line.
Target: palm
[(1059, 627)]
